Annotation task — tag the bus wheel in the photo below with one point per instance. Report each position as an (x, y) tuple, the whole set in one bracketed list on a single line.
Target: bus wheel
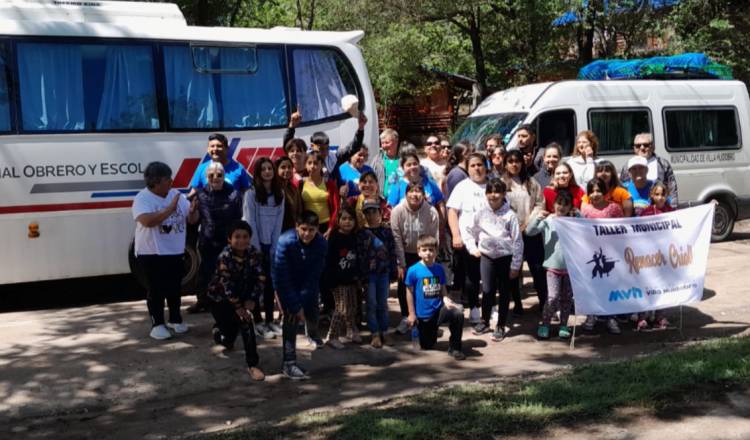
[(723, 221), (192, 263)]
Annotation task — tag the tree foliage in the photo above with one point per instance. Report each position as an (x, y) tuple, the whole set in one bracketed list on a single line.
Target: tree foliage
[(720, 28)]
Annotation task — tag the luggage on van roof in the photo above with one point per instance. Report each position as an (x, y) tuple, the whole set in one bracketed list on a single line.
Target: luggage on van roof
[(683, 66)]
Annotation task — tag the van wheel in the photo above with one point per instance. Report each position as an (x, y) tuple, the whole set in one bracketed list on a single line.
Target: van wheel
[(192, 263), (723, 221)]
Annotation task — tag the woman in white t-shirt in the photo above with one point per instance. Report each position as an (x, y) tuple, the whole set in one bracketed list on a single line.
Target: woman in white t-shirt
[(161, 215), (467, 197)]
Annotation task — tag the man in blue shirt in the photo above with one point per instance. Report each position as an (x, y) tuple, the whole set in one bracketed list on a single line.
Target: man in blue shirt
[(428, 305), (639, 186), (234, 173)]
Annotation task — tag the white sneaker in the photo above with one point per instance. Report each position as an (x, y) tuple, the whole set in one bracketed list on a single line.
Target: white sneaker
[(275, 329), (262, 331), (160, 332), (475, 316), (402, 327), (178, 328)]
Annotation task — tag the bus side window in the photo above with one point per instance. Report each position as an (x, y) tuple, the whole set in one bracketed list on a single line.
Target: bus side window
[(701, 128), (208, 89), (4, 95), (86, 87), (557, 126), (616, 128), (321, 79)]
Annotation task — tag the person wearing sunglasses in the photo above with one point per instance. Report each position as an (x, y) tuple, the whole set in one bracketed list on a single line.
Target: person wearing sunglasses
[(659, 168), (434, 162), (219, 205)]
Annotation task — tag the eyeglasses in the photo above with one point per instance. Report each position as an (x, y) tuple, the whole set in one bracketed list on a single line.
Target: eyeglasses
[(512, 161), (215, 176), (433, 143), (642, 146)]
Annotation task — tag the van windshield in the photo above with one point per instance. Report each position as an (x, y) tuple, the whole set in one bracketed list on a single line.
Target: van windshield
[(477, 128)]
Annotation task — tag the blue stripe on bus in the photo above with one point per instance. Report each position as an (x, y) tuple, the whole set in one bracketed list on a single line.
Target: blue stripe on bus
[(98, 195), (113, 194)]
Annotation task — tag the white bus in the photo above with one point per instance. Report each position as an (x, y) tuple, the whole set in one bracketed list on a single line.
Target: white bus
[(92, 91)]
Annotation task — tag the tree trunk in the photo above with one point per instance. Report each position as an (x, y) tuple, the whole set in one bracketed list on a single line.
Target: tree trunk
[(299, 15), (311, 17), (235, 13), (202, 13), (478, 53)]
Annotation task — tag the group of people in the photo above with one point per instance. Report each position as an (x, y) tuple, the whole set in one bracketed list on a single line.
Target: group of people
[(321, 233)]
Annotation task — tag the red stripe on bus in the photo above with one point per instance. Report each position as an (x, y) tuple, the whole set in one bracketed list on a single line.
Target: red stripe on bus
[(65, 207), (248, 156), (185, 173)]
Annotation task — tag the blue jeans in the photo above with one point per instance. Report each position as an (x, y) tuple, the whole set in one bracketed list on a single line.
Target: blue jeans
[(377, 303)]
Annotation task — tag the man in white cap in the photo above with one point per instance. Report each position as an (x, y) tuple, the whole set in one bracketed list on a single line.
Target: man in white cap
[(638, 185)]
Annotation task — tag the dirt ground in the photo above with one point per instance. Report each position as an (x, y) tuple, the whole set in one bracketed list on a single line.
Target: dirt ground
[(93, 372)]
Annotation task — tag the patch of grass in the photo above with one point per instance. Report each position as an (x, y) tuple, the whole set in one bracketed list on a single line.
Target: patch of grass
[(584, 394)]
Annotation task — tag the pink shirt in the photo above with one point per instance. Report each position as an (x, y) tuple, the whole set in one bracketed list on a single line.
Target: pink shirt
[(612, 210)]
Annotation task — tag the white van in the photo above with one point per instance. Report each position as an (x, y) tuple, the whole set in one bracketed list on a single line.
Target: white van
[(700, 126)]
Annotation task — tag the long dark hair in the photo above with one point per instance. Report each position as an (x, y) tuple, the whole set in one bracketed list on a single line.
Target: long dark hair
[(523, 175), (458, 156), (261, 196), (614, 182)]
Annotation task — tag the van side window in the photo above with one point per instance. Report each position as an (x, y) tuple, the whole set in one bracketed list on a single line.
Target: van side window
[(321, 79), (557, 126), (4, 95), (86, 87), (702, 128), (616, 128), (225, 87)]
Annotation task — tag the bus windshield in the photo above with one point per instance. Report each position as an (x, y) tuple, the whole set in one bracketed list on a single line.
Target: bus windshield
[(477, 128)]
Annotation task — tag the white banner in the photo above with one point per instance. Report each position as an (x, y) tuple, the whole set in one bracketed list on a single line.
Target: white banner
[(630, 265)]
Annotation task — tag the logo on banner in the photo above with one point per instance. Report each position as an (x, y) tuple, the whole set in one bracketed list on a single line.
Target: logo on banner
[(602, 265)]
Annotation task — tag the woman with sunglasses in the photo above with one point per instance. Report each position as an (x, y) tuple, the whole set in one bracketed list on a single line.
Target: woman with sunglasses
[(219, 205), (659, 168)]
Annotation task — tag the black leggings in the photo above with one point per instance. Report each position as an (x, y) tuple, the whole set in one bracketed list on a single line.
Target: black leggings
[(209, 254), (229, 324), (268, 296), (496, 274), (466, 275), (164, 281), (533, 253)]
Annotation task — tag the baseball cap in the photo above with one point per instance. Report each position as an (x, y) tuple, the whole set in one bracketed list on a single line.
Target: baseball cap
[(370, 204), (637, 161)]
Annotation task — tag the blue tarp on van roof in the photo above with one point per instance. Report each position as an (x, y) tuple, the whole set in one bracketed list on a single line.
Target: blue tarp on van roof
[(691, 65)]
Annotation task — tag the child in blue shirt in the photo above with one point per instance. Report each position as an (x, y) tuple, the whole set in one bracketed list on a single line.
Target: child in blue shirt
[(429, 307)]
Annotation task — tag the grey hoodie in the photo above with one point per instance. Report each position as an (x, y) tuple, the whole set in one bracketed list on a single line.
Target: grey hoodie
[(408, 225)]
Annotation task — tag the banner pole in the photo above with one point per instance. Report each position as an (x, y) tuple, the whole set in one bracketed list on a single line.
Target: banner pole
[(573, 339)]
